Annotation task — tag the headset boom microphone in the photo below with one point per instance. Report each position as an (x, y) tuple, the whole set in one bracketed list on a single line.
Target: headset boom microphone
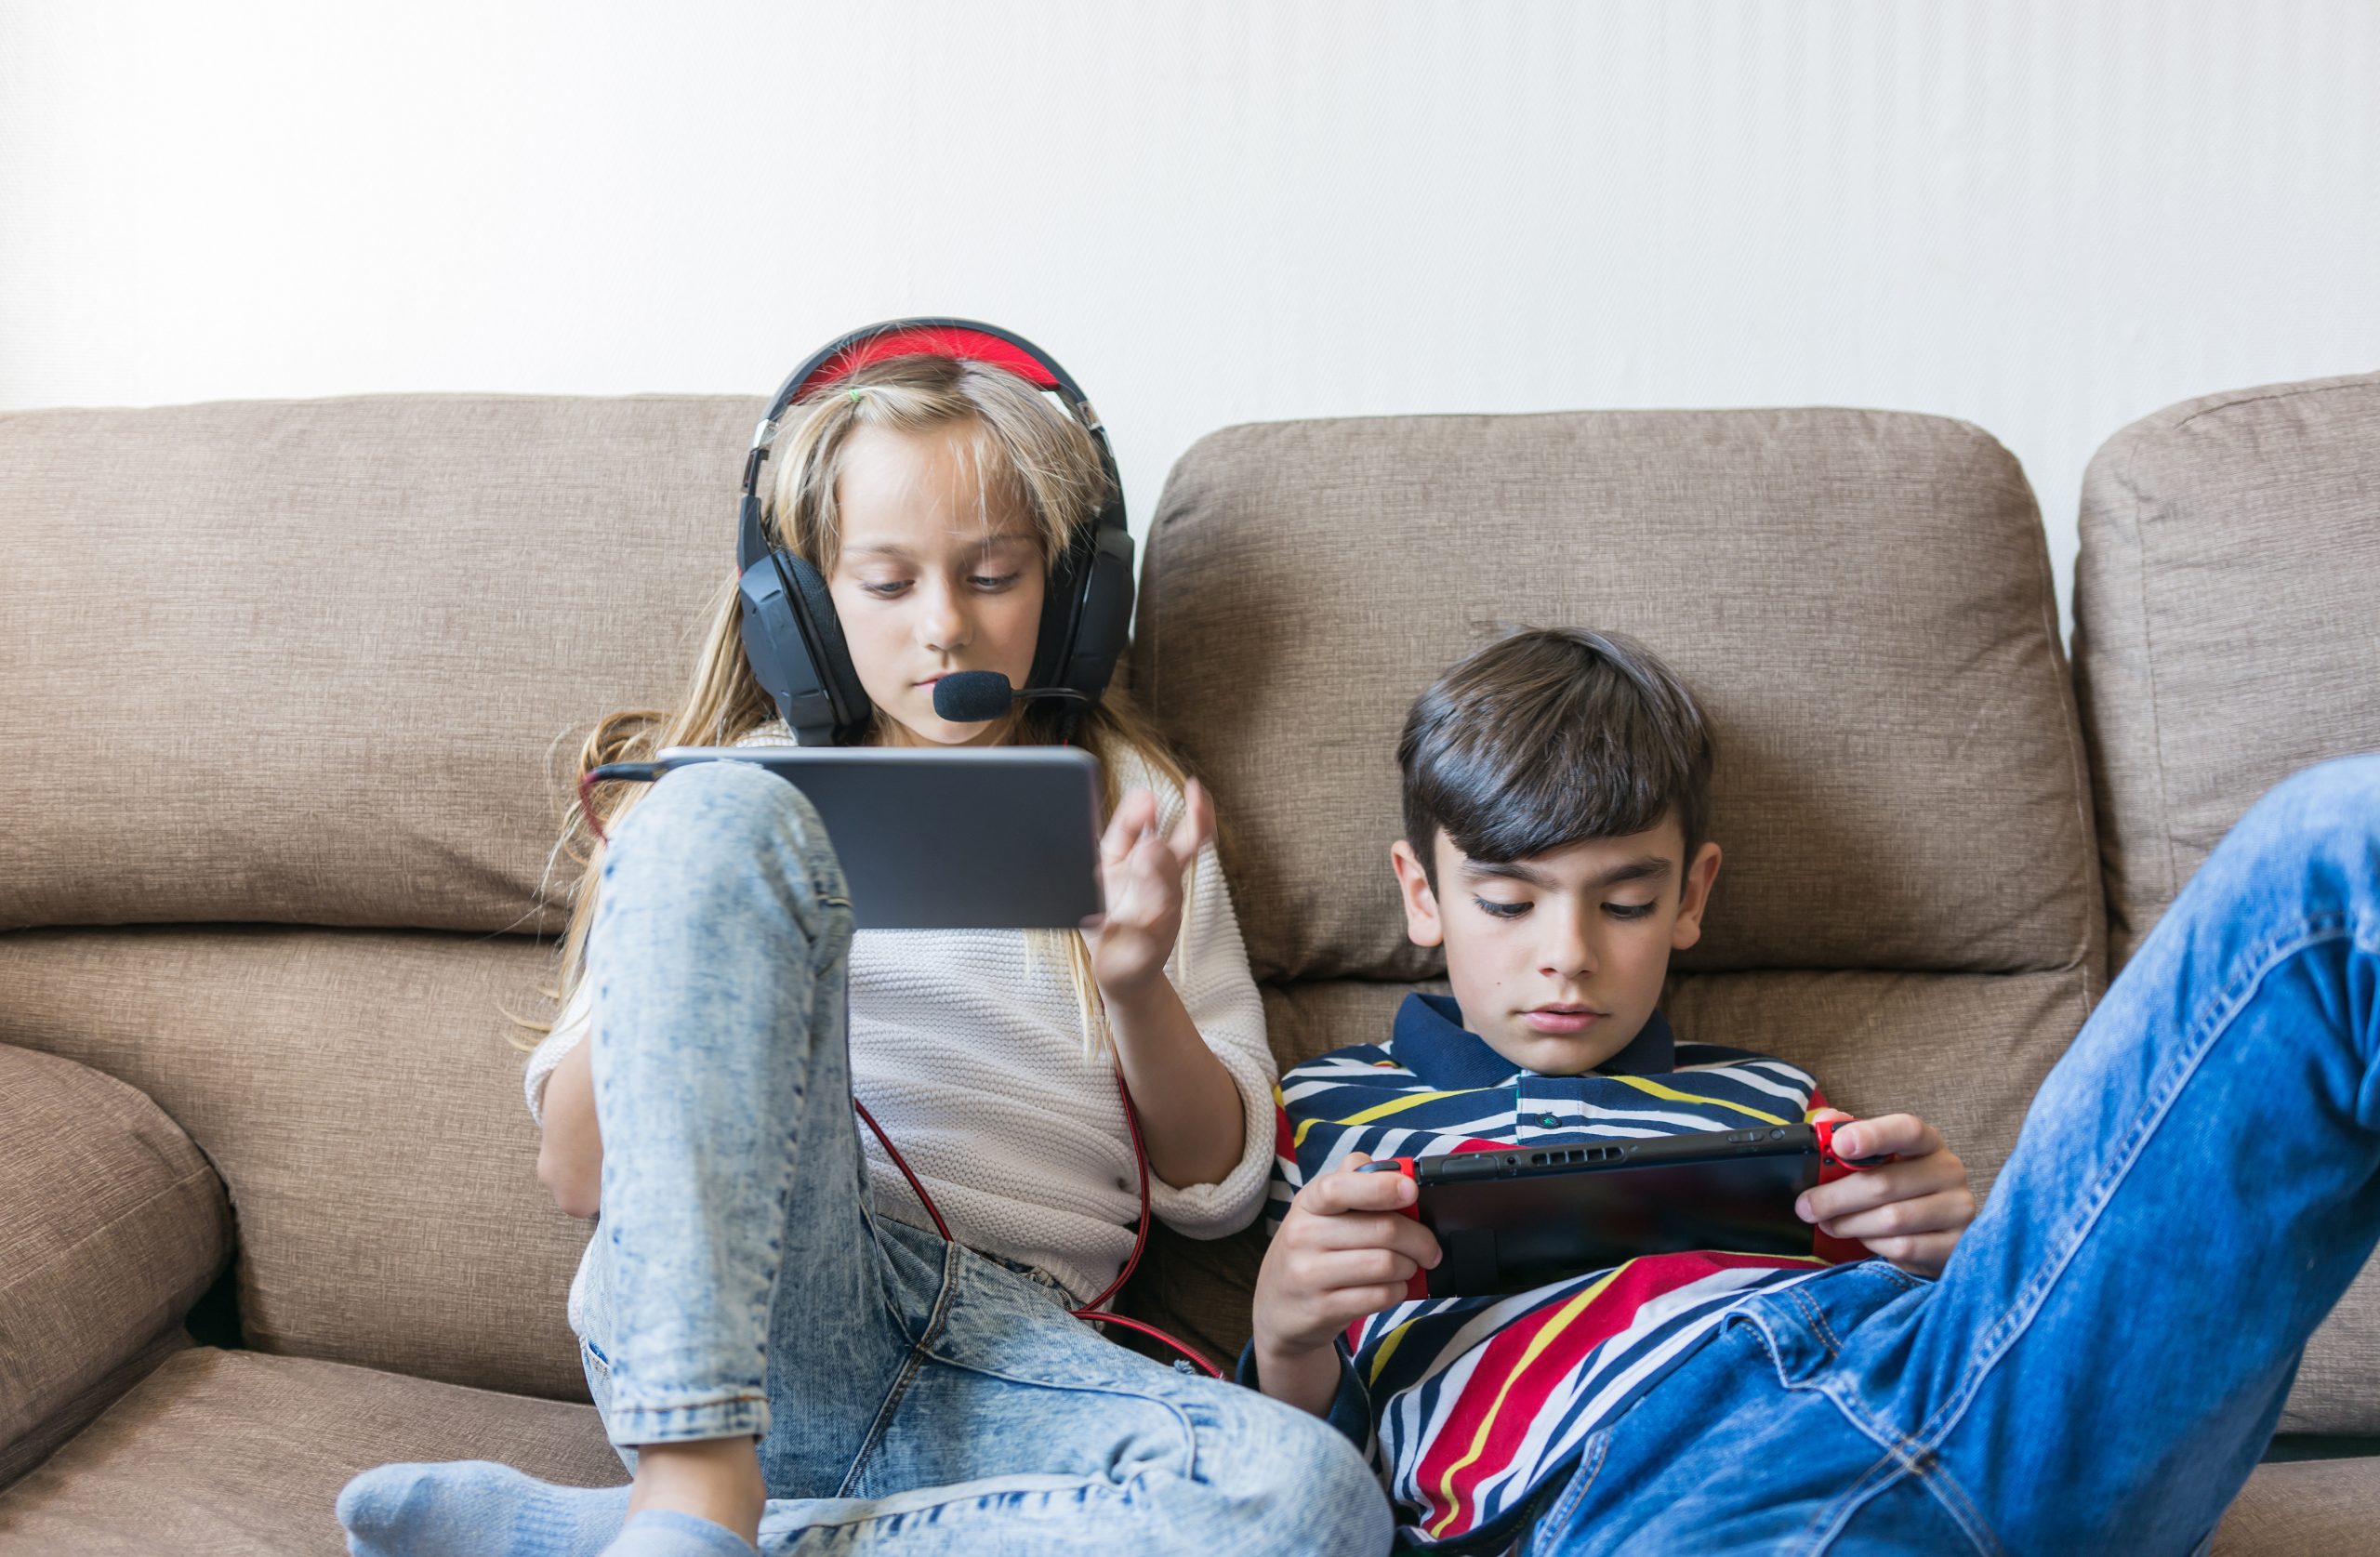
[(979, 696)]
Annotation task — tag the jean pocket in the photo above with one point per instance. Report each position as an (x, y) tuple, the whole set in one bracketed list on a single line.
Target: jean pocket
[(598, 1369)]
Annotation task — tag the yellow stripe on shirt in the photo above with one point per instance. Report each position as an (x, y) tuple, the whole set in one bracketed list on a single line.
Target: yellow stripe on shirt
[(1381, 1111), (1674, 1095), (1537, 1344)]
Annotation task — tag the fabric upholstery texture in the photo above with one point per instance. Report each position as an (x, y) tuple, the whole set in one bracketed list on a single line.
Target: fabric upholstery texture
[(237, 1454), (1862, 600), (112, 1224), (313, 661), (2302, 1507), (2225, 603), (234, 1454), (2225, 609), (357, 1093), (362, 637)]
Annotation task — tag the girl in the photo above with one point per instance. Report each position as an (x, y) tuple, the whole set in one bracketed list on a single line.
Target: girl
[(785, 1351)]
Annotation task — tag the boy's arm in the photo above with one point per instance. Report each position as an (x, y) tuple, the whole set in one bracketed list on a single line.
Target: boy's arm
[(1345, 1250), (1346, 1405)]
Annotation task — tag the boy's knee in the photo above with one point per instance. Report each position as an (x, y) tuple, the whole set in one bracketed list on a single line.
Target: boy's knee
[(2324, 806)]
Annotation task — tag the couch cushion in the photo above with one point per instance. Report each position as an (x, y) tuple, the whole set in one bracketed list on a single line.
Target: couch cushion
[(240, 1454), (243, 1454), (2223, 609), (2224, 604), (312, 661), (112, 1226), (2303, 1506), (357, 1093), (1861, 599)]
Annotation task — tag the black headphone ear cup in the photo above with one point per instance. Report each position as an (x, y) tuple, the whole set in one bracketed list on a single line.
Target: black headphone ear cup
[(1061, 597), (778, 651), (836, 676), (1104, 619)]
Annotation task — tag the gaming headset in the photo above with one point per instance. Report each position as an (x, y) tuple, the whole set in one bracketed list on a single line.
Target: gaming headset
[(793, 640)]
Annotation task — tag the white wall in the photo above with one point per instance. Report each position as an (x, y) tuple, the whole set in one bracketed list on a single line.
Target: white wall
[(2045, 215)]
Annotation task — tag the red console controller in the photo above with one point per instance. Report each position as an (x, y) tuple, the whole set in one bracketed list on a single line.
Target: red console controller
[(1417, 1286), (1827, 1157)]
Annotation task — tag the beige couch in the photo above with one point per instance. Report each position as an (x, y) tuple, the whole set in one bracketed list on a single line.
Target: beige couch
[(291, 680)]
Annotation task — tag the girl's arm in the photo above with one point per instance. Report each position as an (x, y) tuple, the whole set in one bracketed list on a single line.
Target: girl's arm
[(570, 1163), (1191, 1114)]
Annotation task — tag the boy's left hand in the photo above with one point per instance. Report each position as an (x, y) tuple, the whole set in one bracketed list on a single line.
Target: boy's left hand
[(1141, 877), (1911, 1211)]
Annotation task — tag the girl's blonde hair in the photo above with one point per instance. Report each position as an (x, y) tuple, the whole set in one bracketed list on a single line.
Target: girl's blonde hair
[(1028, 455)]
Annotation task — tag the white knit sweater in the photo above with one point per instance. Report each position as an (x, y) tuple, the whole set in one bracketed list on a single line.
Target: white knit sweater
[(970, 1054)]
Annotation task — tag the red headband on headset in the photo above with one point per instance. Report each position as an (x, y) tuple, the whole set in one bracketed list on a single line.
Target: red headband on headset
[(934, 340)]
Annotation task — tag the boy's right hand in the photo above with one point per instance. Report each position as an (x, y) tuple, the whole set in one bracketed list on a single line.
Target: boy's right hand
[(1346, 1248)]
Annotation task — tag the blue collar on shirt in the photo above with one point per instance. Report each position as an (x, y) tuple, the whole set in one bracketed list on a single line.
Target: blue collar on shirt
[(1431, 1041)]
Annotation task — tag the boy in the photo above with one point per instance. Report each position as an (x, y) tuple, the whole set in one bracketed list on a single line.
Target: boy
[(1556, 793), (2085, 1375)]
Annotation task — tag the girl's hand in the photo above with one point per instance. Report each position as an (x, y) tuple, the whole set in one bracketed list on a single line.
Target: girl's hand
[(1911, 1211), (1140, 876)]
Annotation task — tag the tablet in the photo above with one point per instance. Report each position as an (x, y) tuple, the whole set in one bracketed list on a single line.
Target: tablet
[(1516, 1218), (994, 837)]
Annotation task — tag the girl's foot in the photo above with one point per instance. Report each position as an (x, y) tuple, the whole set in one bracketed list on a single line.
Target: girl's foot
[(476, 1508)]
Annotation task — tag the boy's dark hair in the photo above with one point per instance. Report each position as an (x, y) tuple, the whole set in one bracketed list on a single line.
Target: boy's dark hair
[(1548, 738)]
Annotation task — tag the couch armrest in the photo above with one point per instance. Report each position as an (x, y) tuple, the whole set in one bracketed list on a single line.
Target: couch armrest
[(112, 1224)]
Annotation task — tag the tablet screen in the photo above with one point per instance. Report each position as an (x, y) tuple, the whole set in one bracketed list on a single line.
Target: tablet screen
[(1001, 837)]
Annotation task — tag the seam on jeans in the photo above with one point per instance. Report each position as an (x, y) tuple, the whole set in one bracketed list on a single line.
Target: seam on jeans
[(2260, 962), (872, 1511), (909, 1366), (1945, 1489), (1899, 1463), (1121, 1388), (1827, 1337), (1591, 1457)]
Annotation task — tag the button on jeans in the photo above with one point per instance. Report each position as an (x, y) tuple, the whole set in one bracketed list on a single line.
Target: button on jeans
[(906, 1393), (2100, 1364)]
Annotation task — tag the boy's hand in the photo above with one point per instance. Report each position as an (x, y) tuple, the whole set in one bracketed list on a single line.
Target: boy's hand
[(1141, 877), (1345, 1249), (1911, 1211)]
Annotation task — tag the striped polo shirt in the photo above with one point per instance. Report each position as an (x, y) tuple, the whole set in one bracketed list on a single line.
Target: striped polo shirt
[(1469, 1406)]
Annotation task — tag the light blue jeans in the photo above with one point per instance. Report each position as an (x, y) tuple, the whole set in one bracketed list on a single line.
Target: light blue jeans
[(2100, 1366), (906, 1394)]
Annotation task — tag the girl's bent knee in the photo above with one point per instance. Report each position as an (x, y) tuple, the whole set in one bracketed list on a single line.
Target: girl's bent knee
[(731, 813), (1316, 1492)]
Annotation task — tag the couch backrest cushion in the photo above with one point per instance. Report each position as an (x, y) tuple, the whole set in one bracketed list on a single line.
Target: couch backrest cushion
[(314, 661), (354, 1090), (2226, 618), (1862, 600)]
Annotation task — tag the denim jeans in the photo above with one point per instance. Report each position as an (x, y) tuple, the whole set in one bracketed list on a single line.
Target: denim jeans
[(2100, 1364), (906, 1394)]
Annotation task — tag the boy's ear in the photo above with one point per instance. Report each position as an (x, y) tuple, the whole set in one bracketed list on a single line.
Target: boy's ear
[(1695, 896), (1421, 925)]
